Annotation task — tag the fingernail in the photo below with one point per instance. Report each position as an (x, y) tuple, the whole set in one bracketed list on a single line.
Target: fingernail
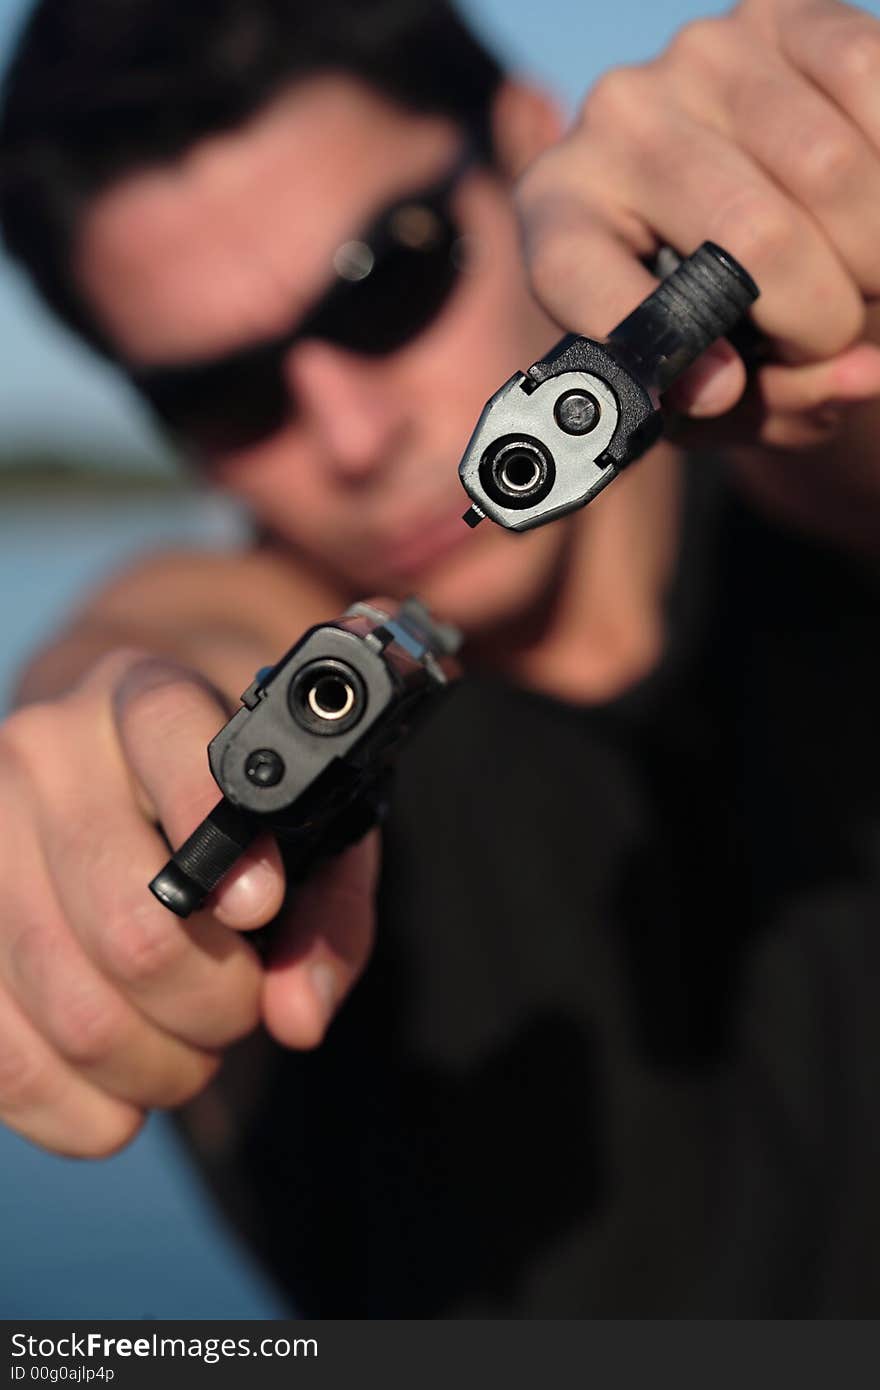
[(246, 895), (324, 983)]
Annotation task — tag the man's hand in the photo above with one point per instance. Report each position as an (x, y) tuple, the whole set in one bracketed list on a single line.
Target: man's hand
[(109, 1005), (759, 130)]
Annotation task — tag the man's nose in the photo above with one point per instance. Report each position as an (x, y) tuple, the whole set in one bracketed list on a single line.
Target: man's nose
[(358, 413)]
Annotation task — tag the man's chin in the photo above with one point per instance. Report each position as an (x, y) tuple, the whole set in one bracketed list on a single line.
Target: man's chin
[(491, 587), (497, 580)]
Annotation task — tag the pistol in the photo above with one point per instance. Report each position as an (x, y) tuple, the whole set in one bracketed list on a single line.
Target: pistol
[(552, 438), (309, 754)]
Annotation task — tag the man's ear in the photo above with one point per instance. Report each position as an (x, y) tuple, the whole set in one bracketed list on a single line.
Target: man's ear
[(525, 121)]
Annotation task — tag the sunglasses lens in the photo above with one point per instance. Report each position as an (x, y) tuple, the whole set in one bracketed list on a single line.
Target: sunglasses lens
[(403, 292), (221, 408)]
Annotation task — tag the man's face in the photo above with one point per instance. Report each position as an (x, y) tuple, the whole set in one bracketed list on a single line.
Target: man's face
[(231, 245)]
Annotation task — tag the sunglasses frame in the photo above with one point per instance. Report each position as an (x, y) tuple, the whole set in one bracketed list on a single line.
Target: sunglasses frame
[(213, 379)]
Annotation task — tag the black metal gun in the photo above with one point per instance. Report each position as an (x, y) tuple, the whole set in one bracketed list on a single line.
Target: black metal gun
[(553, 437), (308, 755)]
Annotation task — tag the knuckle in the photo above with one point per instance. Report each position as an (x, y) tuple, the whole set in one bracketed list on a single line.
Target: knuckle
[(852, 52), (616, 98), (827, 163), (88, 1028), (138, 948), (78, 1015), (45, 746), (699, 43)]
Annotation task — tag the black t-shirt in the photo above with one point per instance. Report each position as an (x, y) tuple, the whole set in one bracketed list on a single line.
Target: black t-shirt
[(618, 1051)]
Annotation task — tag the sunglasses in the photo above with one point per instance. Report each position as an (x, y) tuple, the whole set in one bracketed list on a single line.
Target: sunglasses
[(390, 284)]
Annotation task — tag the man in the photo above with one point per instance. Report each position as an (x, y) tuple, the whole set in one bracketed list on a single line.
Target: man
[(614, 1051)]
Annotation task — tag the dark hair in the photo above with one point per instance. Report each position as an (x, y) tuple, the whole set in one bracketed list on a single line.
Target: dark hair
[(98, 88)]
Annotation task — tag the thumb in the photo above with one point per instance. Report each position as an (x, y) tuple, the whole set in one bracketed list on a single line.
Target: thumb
[(322, 946), (712, 385)]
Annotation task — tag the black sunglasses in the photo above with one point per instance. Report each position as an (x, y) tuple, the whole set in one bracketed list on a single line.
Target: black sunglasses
[(391, 282)]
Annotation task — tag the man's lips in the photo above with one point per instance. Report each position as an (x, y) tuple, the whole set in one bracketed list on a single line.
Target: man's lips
[(409, 552)]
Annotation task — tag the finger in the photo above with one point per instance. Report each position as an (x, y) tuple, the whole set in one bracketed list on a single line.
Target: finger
[(791, 407), (644, 168), (252, 892), (838, 48), (826, 165), (585, 268), (589, 279), (809, 305), (733, 76), (165, 719), (93, 1028), (712, 386), (324, 947), (44, 1100), (85, 1020), (197, 981), (809, 149), (852, 376)]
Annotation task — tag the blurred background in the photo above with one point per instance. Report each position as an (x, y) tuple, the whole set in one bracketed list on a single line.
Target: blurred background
[(85, 482)]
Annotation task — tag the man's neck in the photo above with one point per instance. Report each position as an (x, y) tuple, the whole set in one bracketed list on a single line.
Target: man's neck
[(602, 628)]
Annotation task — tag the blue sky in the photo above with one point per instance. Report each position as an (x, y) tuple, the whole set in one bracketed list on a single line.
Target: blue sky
[(50, 390)]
